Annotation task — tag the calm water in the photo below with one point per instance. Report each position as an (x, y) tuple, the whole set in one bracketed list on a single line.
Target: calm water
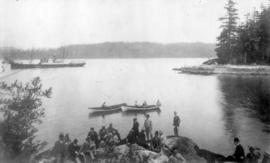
[(213, 109)]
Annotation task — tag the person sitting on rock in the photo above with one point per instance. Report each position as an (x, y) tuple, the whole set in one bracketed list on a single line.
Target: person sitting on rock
[(141, 139), (156, 142), (239, 154), (93, 147), (252, 156), (93, 135), (67, 141), (59, 149), (87, 149), (110, 142), (163, 138), (135, 127), (132, 138), (102, 133), (73, 150), (113, 131)]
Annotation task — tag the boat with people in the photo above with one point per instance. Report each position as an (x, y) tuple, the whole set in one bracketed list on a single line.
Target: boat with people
[(97, 113), (17, 65), (141, 108), (105, 108)]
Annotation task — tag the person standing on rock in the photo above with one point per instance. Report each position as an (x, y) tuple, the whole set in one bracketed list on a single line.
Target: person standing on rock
[(176, 123), (148, 127), (135, 127)]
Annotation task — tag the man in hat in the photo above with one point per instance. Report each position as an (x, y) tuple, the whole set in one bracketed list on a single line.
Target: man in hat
[(239, 153), (176, 123)]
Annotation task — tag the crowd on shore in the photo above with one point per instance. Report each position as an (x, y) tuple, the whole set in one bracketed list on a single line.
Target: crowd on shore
[(108, 138)]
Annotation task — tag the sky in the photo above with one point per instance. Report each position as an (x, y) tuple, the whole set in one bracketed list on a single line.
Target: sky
[(53, 23)]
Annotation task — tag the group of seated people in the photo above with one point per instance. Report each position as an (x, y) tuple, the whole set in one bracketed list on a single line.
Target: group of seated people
[(106, 139), (109, 137), (155, 144)]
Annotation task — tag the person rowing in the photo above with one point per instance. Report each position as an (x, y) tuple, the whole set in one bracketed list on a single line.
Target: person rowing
[(136, 103), (158, 103), (144, 104), (104, 104)]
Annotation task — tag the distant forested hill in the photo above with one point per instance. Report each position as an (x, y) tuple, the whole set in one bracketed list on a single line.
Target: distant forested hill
[(116, 50)]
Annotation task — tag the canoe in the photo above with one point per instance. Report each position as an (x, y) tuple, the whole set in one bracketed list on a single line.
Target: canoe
[(140, 108), (118, 106)]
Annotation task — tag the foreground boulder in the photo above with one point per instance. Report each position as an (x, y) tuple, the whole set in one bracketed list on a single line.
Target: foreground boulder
[(186, 147)]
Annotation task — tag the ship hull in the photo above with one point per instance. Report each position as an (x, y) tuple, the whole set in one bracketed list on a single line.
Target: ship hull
[(46, 65)]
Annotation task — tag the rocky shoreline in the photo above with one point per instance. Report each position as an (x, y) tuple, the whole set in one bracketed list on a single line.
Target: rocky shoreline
[(176, 150), (226, 69)]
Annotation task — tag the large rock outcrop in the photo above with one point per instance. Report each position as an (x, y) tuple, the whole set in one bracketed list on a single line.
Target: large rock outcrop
[(186, 147), (176, 150)]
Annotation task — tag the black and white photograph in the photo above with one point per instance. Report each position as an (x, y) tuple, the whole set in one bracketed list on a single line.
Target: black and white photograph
[(134, 81)]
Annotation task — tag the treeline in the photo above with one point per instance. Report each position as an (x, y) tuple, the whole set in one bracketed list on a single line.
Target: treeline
[(116, 50), (247, 43)]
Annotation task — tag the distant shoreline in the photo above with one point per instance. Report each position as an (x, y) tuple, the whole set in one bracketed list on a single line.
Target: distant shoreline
[(226, 69), (115, 50), (120, 58)]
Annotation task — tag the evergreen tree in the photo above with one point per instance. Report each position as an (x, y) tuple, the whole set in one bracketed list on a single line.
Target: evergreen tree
[(21, 110), (228, 37), (264, 34)]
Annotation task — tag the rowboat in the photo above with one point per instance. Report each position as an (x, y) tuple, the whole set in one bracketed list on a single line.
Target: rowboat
[(97, 113), (140, 108), (133, 113), (107, 108)]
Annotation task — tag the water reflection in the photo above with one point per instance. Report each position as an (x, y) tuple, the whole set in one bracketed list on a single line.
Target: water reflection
[(250, 93), (246, 108)]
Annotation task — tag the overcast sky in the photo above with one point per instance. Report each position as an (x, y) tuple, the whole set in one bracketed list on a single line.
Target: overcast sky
[(52, 23)]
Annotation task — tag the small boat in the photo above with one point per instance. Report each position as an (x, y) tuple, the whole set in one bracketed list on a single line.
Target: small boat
[(141, 108), (107, 108), (97, 113), (133, 113), (15, 65)]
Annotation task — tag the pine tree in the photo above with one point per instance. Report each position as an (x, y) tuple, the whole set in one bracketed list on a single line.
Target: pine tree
[(264, 34), (228, 37), (22, 111)]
